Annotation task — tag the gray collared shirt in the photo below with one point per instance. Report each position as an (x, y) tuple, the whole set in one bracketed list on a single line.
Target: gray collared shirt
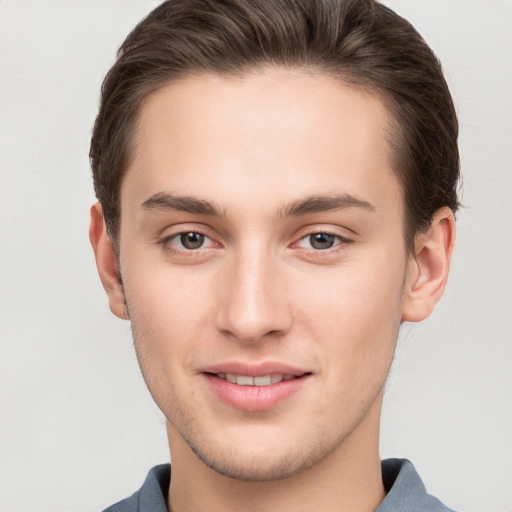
[(405, 491)]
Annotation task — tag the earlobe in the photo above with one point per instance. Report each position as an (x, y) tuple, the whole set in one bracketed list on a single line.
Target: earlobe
[(106, 262), (428, 267)]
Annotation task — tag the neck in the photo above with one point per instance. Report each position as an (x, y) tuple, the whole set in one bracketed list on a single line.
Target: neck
[(348, 479)]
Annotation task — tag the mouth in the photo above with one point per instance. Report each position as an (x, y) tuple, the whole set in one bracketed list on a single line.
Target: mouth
[(257, 388), (261, 380)]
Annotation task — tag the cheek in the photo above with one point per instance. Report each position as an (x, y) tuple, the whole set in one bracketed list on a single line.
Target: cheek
[(167, 317), (355, 316), (168, 312)]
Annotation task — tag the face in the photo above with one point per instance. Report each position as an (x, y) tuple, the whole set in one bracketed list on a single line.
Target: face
[(263, 262)]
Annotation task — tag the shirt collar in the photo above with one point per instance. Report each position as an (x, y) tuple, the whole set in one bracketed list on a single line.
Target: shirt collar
[(405, 491)]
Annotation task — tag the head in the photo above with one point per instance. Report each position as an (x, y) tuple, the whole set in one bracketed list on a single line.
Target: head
[(276, 185), (362, 43)]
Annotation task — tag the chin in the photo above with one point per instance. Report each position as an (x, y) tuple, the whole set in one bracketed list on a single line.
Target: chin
[(259, 460), (256, 469)]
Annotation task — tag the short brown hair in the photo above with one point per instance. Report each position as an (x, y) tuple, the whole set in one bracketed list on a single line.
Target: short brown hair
[(358, 41)]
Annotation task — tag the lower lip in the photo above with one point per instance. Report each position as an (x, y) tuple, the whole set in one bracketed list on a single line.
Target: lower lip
[(254, 398)]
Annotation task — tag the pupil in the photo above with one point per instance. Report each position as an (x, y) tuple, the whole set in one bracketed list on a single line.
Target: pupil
[(192, 240), (321, 240)]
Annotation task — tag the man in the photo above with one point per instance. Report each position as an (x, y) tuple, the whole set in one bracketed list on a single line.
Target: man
[(277, 188)]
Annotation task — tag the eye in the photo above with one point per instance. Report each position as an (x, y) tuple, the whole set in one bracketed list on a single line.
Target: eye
[(190, 240), (321, 241)]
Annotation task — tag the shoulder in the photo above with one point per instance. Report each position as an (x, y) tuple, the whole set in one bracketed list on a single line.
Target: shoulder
[(406, 491), (151, 496)]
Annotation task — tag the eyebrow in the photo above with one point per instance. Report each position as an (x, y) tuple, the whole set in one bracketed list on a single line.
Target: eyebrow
[(322, 203), (165, 201)]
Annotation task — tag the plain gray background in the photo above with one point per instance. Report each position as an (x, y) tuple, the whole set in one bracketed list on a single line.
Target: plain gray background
[(78, 428)]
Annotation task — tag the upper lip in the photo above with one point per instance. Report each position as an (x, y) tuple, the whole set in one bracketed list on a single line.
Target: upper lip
[(255, 369)]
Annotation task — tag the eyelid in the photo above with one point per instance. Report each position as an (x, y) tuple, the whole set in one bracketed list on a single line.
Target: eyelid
[(312, 230), (340, 240), (172, 232)]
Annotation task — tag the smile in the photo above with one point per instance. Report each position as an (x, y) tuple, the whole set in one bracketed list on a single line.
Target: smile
[(247, 380), (256, 389)]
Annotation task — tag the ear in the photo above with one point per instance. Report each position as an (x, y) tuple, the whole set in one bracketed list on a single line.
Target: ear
[(428, 267), (106, 261)]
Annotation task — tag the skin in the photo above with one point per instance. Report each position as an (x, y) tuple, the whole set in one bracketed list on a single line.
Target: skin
[(257, 290)]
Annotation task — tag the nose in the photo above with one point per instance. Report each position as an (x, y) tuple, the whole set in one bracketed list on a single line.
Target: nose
[(254, 302)]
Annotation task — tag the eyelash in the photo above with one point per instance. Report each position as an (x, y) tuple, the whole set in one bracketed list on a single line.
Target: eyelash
[(338, 245), (168, 246), (340, 241)]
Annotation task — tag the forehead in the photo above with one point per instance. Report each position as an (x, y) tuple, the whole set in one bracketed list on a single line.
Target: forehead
[(277, 134)]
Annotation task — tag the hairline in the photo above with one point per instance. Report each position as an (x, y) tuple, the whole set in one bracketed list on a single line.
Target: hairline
[(393, 130)]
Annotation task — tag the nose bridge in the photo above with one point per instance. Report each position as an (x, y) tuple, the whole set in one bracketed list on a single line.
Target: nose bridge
[(254, 304)]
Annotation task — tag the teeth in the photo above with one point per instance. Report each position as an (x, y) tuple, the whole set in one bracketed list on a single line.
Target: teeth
[(262, 381), (247, 380), (244, 380)]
